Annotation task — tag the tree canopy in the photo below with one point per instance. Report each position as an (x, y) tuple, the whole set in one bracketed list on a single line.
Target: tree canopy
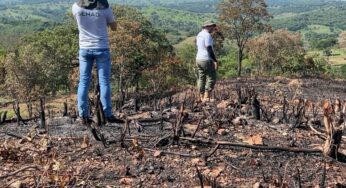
[(242, 19)]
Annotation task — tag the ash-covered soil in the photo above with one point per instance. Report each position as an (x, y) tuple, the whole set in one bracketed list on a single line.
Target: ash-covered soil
[(177, 142)]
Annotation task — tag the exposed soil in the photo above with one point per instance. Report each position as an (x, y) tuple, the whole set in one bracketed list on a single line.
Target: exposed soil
[(149, 154)]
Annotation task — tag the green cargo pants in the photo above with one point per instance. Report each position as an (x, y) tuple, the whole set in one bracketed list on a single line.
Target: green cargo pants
[(206, 75)]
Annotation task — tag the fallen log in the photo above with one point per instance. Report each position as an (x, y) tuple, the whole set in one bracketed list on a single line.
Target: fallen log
[(173, 153), (255, 147)]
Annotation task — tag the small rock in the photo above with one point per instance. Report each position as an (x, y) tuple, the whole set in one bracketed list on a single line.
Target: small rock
[(245, 109), (170, 179), (222, 132), (276, 120), (257, 185), (198, 161), (151, 170), (85, 142), (126, 181), (157, 154), (41, 131), (295, 83), (154, 114), (190, 128), (16, 184), (145, 108), (239, 121), (223, 104)]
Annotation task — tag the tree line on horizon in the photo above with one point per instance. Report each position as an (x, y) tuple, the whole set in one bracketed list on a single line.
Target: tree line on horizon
[(144, 59)]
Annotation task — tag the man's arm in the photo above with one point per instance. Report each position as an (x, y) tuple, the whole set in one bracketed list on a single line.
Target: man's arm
[(211, 53), (113, 26), (212, 56)]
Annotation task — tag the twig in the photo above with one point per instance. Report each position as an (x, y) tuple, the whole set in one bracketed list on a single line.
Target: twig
[(37, 181), (323, 135), (214, 150), (198, 125), (299, 180), (283, 179), (324, 174), (232, 166), (25, 138), (200, 176), (271, 148), (14, 135), (15, 180), (19, 170), (317, 132), (173, 153)]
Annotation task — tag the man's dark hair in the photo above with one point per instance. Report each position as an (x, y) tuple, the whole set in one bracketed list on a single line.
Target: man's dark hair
[(92, 4)]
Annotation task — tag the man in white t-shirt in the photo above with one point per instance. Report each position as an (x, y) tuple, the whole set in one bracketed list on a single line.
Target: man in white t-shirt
[(206, 61), (93, 18)]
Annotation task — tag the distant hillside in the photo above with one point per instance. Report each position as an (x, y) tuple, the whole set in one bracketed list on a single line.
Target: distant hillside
[(179, 18), (315, 19)]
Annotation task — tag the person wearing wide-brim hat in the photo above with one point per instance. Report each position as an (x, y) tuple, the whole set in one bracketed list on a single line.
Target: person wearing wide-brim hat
[(93, 19), (206, 61)]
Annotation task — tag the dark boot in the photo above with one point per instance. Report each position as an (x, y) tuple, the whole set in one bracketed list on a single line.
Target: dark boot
[(113, 119)]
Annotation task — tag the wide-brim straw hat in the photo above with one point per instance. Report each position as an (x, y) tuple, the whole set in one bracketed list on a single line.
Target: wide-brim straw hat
[(209, 23)]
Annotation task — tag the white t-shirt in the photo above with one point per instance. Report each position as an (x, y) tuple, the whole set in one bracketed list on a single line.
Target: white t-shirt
[(203, 40), (92, 26)]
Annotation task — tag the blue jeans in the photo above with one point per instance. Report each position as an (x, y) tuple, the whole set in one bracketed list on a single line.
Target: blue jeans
[(87, 57)]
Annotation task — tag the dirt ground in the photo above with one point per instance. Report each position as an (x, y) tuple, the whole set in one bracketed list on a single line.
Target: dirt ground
[(177, 142)]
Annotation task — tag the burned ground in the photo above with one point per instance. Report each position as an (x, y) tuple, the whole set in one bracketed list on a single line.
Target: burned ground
[(177, 142)]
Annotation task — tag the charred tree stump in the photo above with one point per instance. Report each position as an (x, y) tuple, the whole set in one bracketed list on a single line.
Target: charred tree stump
[(98, 113), (73, 113), (29, 106), (65, 112), (42, 114), (161, 118), (100, 116), (256, 108), (121, 100), (136, 103), (178, 127), (16, 110), (285, 110), (334, 131)]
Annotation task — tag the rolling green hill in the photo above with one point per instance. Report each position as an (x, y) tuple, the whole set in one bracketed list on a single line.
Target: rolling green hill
[(180, 18)]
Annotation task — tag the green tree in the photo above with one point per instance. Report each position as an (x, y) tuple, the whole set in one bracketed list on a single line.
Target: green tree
[(276, 50), (240, 20), (325, 43), (24, 78), (136, 46), (56, 47), (41, 64), (186, 52)]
